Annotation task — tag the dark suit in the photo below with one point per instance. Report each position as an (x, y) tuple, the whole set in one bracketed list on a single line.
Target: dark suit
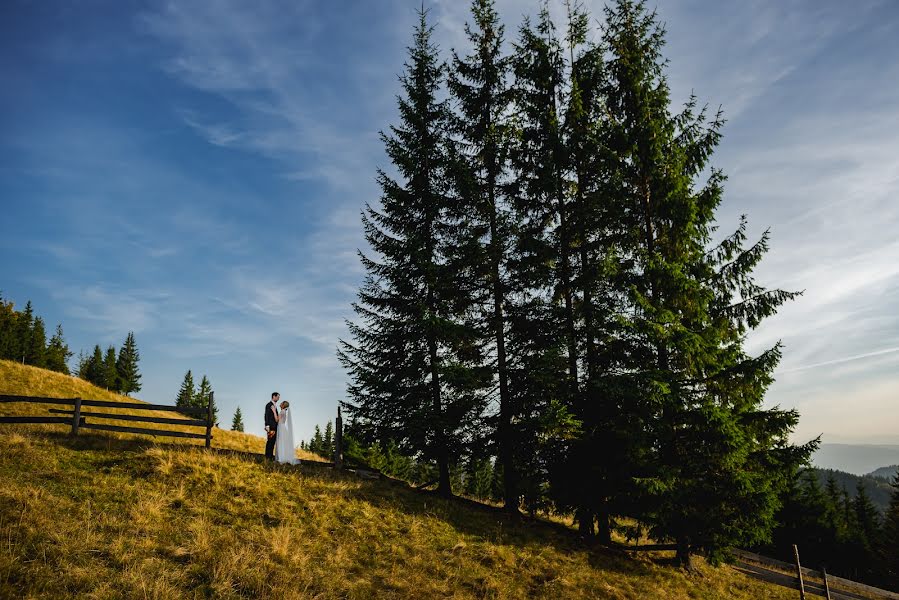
[(271, 421)]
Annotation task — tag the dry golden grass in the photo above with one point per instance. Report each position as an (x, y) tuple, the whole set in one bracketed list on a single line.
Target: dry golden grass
[(122, 517)]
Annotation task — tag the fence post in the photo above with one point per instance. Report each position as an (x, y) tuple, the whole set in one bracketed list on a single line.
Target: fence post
[(76, 418), (826, 585), (799, 573), (209, 420), (338, 441)]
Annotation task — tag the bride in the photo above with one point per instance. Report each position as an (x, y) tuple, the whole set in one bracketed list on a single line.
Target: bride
[(284, 446)]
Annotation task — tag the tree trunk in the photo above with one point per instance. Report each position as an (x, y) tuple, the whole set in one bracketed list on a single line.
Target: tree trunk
[(684, 557), (584, 520), (604, 534), (510, 477), (441, 451), (565, 276)]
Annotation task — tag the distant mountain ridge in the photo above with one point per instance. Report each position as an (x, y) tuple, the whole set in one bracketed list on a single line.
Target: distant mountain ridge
[(877, 488), (887, 473), (858, 459)]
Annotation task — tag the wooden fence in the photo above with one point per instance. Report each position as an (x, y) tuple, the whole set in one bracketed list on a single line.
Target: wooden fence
[(78, 419), (830, 586)]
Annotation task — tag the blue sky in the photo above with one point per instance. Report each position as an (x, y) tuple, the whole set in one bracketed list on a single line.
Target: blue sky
[(193, 171)]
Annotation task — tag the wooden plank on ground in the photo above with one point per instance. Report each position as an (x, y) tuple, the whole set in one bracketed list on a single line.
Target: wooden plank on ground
[(123, 417), (141, 430)]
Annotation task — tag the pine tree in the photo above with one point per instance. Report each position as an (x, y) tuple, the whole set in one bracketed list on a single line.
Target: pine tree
[(36, 350), (21, 342), (58, 352), (94, 370), (316, 445), (7, 329), (188, 392), (328, 441), (719, 459), (479, 83), (127, 365), (888, 547), (204, 396), (414, 363), (111, 379), (237, 423), (867, 517)]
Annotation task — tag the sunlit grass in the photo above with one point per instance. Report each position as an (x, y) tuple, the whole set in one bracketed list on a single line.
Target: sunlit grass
[(17, 379), (103, 516)]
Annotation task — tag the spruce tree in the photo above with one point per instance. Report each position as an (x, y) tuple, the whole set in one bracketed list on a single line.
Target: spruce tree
[(479, 82), (204, 396), (542, 341), (328, 440), (127, 365), (94, 370), (719, 459), (21, 342), (316, 444), (888, 546), (414, 362), (188, 392), (237, 422), (111, 379), (36, 350), (7, 329), (58, 352)]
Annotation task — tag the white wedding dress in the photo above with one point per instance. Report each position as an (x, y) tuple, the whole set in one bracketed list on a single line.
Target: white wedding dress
[(284, 445)]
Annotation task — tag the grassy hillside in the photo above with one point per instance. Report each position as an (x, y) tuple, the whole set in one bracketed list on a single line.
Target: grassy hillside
[(116, 516)]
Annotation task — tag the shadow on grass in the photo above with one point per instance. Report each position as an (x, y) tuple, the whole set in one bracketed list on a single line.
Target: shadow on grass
[(493, 524), (469, 517)]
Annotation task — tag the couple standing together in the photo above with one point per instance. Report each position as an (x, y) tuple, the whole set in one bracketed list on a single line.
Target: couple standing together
[(279, 429)]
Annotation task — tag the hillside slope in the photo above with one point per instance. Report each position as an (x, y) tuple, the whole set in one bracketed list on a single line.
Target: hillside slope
[(110, 516)]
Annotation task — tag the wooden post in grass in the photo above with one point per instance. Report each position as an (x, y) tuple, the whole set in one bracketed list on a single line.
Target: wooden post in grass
[(338, 441), (76, 418), (826, 585), (799, 573), (209, 420)]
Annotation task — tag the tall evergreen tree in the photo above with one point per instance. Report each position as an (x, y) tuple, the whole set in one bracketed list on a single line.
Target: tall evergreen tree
[(58, 352), (479, 82), (316, 444), (111, 379), (21, 341), (36, 349), (237, 422), (888, 547), (719, 459), (328, 440), (542, 339), (188, 392), (414, 361), (127, 365), (204, 396), (7, 329), (94, 371)]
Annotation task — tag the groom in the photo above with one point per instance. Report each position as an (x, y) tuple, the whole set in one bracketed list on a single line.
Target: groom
[(271, 425)]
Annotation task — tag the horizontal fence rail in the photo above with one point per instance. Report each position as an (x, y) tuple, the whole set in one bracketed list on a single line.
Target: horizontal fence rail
[(78, 419), (164, 420), (63, 420), (192, 410), (181, 434)]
